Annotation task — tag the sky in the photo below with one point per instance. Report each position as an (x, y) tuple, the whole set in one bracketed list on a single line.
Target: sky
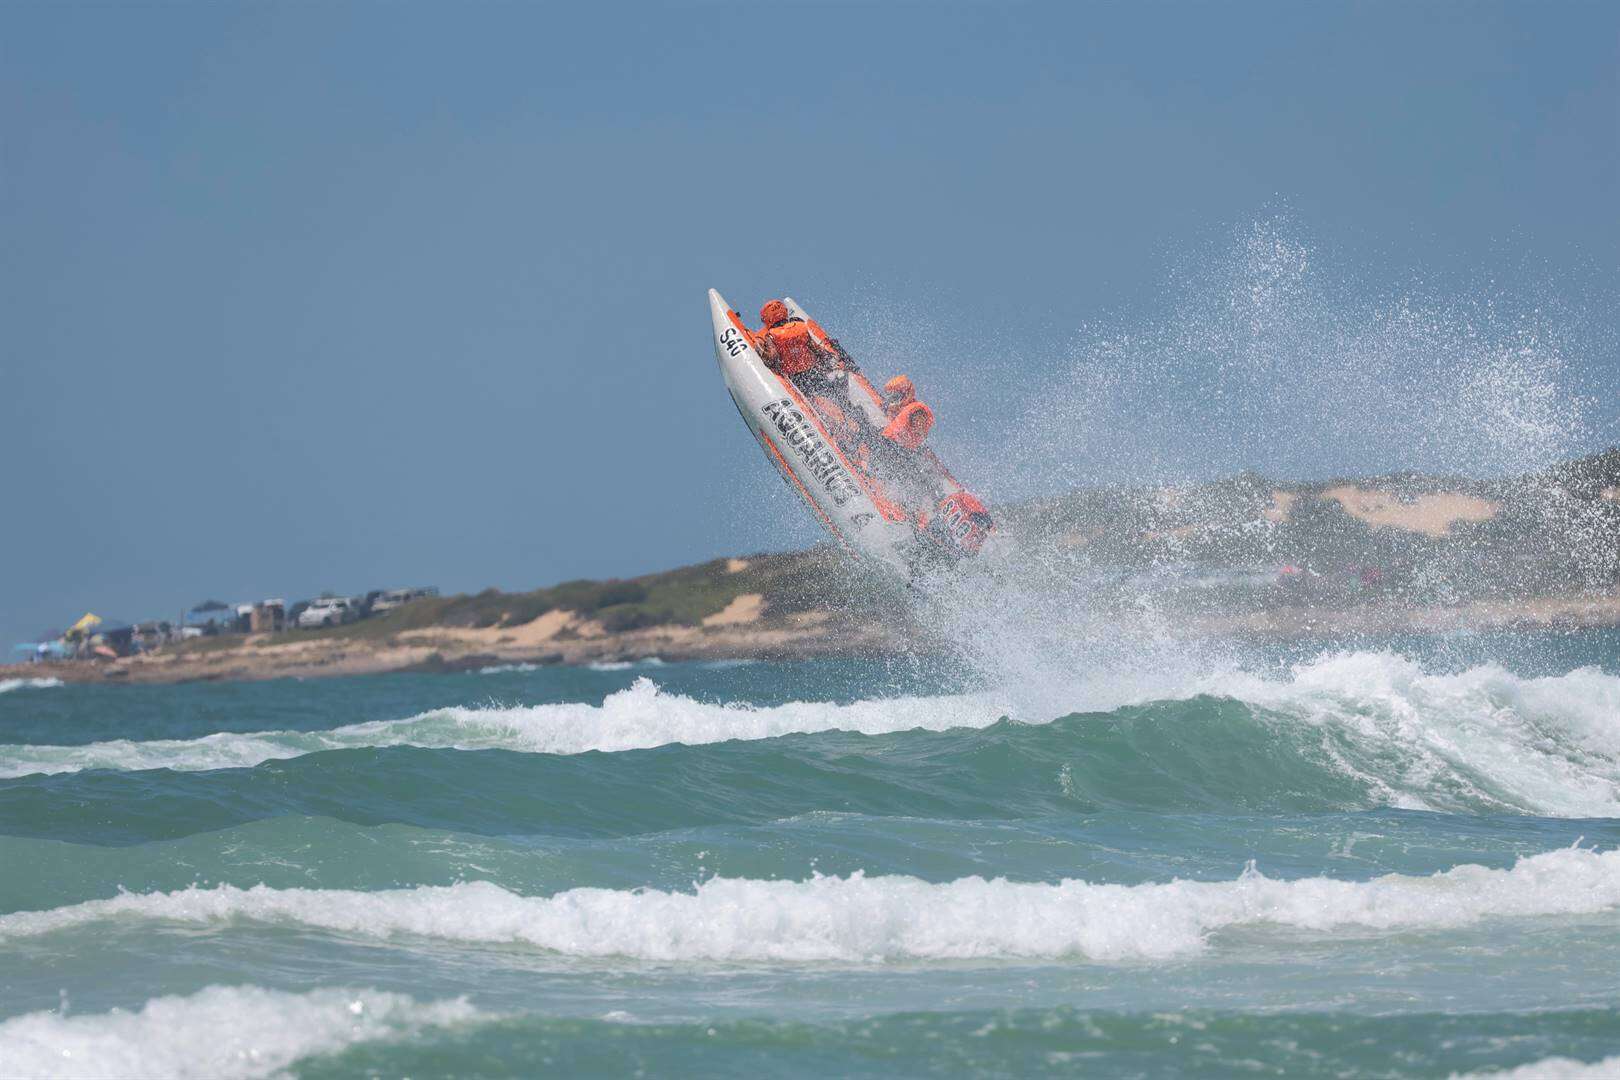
[(304, 297)]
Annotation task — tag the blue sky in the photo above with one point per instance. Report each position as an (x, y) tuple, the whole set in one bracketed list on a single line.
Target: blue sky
[(343, 296)]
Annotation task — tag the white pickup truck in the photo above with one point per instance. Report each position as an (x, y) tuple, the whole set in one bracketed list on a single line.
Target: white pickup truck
[(329, 611)]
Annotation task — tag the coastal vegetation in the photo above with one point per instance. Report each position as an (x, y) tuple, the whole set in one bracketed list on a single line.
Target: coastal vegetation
[(1241, 554), (683, 597)]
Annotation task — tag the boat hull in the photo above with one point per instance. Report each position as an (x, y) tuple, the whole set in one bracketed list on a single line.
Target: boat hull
[(797, 442)]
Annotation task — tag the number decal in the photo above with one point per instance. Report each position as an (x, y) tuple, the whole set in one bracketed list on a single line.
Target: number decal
[(733, 341)]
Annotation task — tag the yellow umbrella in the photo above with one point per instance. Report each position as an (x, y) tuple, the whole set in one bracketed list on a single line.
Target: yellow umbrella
[(84, 625)]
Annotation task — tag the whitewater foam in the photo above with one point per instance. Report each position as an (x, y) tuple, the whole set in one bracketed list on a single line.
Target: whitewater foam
[(1481, 737), (7, 685), (626, 665), (615, 665), (639, 717), (1553, 1068), (859, 919), (222, 1031)]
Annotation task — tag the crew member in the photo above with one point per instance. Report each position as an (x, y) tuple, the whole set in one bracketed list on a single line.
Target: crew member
[(794, 347), (898, 392), (909, 419)]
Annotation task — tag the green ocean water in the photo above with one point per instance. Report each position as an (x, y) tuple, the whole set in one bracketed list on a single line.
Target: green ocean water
[(1398, 859)]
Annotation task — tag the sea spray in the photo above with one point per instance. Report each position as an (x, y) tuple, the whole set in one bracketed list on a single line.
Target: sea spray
[(1268, 354), (1267, 359)]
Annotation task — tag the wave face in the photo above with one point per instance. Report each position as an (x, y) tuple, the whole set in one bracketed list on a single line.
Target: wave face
[(250, 1032), (1349, 731), (1483, 737), (1055, 1042)]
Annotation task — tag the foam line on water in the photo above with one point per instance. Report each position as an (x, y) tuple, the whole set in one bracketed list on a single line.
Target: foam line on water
[(639, 717), (1553, 1068), (7, 685), (221, 1031), (859, 919)]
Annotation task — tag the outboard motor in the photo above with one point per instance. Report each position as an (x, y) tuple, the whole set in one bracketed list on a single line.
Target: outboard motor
[(961, 523)]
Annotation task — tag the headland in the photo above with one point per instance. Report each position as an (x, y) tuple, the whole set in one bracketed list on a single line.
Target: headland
[(1241, 557)]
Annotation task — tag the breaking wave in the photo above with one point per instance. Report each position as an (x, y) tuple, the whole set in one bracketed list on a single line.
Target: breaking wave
[(600, 665), (1554, 1068), (859, 919), (7, 685), (626, 665), (503, 669), (222, 1031), (1352, 731), (1482, 737), (639, 717)]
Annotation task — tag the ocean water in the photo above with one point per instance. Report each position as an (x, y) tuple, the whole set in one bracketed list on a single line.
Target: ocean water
[(1394, 859)]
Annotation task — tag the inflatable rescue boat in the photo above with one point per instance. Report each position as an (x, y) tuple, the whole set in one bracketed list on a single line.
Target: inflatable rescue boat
[(891, 501)]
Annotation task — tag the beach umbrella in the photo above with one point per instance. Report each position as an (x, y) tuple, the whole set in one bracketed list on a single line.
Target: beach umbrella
[(88, 622)]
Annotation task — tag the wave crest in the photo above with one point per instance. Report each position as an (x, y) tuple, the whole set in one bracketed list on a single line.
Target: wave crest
[(1553, 1068), (859, 919), (1481, 738), (639, 717)]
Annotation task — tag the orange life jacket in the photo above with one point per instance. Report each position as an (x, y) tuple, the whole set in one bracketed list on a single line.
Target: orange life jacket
[(796, 350), (910, 426)]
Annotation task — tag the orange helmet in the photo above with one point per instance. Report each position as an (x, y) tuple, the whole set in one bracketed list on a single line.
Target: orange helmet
[(899, 390), (773, 312)]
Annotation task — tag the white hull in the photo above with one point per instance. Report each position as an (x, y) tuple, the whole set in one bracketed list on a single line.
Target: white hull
[(802, 450)]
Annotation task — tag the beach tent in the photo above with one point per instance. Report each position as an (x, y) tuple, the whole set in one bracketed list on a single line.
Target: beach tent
[(41, 650), (209, 612)]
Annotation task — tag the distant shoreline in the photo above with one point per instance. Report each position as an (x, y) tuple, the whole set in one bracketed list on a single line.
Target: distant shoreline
[(750, 635), (1244, 558)]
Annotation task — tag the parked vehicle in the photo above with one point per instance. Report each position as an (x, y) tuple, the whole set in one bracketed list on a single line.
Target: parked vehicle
[(390, 599), (329, 611)]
